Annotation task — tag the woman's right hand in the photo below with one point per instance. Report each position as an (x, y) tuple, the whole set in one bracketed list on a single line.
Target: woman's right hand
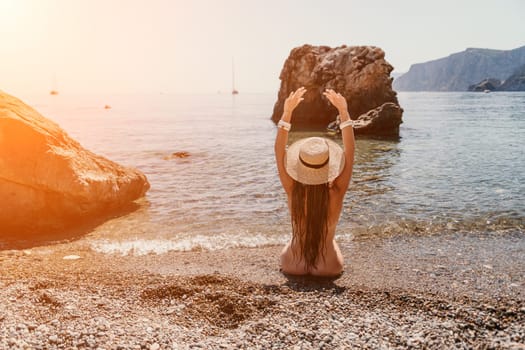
[(337, 100), (293, 100)]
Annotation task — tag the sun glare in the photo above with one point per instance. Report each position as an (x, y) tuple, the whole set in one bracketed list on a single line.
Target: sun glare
[(10, 12)]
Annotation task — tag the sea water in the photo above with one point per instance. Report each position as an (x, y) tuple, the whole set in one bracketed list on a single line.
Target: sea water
[(458, 166)]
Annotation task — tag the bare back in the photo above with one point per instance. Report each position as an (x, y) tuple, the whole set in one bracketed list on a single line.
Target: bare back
[(332, 264)]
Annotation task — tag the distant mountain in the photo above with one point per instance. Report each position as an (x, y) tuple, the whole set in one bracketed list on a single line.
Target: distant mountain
[(460, 70)]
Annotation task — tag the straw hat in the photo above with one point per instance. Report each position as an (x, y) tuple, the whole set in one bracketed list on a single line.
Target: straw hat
[(314, 160)]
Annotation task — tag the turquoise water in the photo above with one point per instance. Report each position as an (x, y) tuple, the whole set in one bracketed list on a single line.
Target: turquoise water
[(458, 165)]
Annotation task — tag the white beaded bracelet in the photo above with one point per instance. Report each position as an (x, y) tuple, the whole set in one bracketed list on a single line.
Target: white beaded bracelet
[(284, 125), (349, 122)]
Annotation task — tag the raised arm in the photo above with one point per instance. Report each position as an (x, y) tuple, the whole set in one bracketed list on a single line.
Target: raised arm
[(343, 180), (281, 139)]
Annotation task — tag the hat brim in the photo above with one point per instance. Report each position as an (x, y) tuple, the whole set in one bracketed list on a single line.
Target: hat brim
[(310, 176)]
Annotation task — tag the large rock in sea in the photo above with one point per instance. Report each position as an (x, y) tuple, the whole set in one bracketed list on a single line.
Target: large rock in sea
[(383, 120), (359, 73), (48, 182)]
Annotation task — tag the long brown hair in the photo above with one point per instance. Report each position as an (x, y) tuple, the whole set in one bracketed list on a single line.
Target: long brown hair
[(310, 220)]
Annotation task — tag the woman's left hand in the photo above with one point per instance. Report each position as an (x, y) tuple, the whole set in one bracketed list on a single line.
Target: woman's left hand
[(293, 100)]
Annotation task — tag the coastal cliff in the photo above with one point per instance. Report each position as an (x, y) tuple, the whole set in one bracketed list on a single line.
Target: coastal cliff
[(460, 70), (360, 73), (48, 181)]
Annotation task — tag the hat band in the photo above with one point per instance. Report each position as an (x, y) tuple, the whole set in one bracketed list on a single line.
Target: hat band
[(314, 166)]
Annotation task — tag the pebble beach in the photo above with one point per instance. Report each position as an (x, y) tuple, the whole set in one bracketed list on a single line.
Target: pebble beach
[(447, 291)]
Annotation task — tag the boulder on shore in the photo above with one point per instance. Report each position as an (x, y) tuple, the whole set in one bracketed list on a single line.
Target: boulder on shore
[(360, 73), (48, 182)]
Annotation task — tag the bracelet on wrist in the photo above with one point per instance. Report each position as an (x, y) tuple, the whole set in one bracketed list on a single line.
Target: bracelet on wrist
[(344, 124), (284, 125)]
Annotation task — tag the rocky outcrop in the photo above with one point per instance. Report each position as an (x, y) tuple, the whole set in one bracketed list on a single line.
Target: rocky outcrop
[(460, 70), (48, 182), (359, 73), (516, 82), (486, 84), (383, 120)]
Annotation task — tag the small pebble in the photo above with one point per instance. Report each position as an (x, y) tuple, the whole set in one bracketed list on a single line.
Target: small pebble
[(71, 257), (53, 339)]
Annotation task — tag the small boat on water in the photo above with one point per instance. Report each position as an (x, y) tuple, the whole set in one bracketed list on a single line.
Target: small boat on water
[(234, 90), (53, 92), (107, 107)]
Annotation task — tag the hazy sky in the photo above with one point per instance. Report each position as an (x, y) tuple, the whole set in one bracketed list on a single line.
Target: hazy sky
[(187, 46)]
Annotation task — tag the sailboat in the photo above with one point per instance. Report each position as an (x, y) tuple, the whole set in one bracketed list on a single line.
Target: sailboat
[(55, 90), (234, 91)]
